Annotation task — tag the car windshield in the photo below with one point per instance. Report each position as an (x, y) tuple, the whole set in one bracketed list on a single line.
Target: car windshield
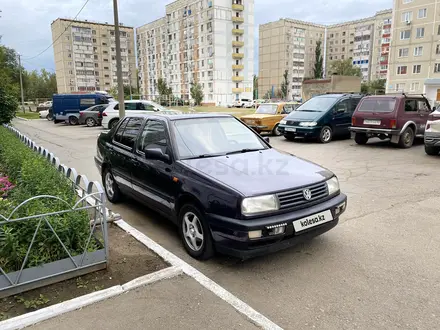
[(317, 104), (269, 109), (377, 105), (204, 137)]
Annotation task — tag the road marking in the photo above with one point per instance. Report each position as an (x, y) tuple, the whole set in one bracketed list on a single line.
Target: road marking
[(254, 316)]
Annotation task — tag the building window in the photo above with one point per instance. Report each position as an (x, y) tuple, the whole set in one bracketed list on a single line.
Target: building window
[(94, 40), (400, 87), (421, 13), (418, 51), (437, 49), (407, 1), (402, 69), (417, 68), (407, 16), (342, 56), (403, 52), (96, 65), (437, 67), (414, 86), (420, 32), (104, 44), (404, 35)]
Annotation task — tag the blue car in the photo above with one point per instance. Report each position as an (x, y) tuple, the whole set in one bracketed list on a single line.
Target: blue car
[(322, 117)]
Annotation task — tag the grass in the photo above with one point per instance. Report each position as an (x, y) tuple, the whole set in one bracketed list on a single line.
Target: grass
[(28, 115)]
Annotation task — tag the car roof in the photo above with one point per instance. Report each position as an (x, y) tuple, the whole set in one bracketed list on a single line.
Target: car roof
[(398, 96), (172, 116)]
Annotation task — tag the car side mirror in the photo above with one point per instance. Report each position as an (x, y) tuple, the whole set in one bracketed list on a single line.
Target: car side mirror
[(266, 138), (156, 154)]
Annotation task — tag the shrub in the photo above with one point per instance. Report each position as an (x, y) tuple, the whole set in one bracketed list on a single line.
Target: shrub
[(8, 104), (32, 176)]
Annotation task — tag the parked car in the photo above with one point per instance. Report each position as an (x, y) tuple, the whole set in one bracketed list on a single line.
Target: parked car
[(268, 116), (432, 134), (92, 116), (110, 116), (190, 169), (46, 114), (243, 103), (322, 117), (398, 117)]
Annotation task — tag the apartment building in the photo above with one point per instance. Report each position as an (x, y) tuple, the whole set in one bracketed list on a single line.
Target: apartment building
[(85, 56), (199, 41), (361, 40), (415, 48)]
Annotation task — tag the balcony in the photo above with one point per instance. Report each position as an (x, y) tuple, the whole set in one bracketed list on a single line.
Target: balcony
[(237, 67), (237, 19), (237, 78), (237, 31), (237, 7), (237, 44), (237, 56), (237, 90)]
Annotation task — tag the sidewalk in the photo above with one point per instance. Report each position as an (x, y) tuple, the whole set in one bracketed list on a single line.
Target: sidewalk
[(176, 303)]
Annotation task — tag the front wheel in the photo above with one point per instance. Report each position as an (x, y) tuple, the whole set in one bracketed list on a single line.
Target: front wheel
[(111, 188), (361, 138), (275, 131), (326, 135), (407, 138), (432, 151), (195, 233)]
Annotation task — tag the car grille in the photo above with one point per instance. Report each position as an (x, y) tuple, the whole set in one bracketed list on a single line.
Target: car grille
[(295, 198), (292, 123)]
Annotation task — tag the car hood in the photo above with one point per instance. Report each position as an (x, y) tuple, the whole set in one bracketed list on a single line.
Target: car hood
[(257, 173), (256, 116), (303, 115)]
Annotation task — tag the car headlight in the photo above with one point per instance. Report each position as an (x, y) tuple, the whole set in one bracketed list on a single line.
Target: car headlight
[(283, 122), (253, 205), (333, 185), (308, 123)]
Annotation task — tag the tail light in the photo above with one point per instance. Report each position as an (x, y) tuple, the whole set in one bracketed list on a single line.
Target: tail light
[(81, 113), (353, 121), (104, 114), (99, 115), (393, 123)]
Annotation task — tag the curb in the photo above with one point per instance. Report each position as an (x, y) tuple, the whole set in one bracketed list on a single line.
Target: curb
[(21, 118)]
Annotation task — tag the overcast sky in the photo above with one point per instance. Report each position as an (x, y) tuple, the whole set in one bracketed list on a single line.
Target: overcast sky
[(25, 24)]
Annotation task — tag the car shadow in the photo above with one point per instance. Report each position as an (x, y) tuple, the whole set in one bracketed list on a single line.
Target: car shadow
[(377, 143)]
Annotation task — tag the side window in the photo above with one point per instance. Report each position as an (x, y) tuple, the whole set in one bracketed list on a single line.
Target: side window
[(131, 131), (423, 106), (354, 103), (118, 135), (410, 106), (153, 136), (130, 106), (343, 106), (147, 106), (116, 106), (287, 109)]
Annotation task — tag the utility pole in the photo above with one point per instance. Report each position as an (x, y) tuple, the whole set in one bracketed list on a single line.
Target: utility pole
[(21, 83), (119, 62)]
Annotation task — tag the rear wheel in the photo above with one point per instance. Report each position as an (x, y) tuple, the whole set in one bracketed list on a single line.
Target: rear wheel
[(90, 122), (361, 138), (275, 131), (289, 137), (326, 135), (432, 151), (73, 120), (406, 140)]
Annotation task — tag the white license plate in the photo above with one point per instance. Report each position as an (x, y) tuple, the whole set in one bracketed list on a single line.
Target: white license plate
[(371, 122), (290, 129), (312, 220)]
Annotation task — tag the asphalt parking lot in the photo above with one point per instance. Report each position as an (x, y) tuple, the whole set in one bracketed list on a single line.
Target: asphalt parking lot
[(378, 269)]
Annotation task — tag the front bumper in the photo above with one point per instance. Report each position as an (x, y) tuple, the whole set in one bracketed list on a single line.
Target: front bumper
[(432, 139), (301, 131), (374, 131), (259, 128), (231, 236)]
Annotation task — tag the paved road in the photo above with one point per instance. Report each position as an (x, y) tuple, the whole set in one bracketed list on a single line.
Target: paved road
[(378, 269)]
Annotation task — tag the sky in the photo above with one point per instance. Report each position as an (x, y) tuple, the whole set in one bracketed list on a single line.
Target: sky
[(25, 24)]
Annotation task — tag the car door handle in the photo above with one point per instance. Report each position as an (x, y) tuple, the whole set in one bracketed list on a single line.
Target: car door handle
[(135, 162)]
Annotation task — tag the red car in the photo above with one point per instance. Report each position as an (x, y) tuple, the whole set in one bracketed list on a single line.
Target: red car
[(397, 117)]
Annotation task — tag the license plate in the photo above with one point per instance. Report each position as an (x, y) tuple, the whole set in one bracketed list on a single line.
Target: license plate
[(312, 220), (371, 122), (290, 129)]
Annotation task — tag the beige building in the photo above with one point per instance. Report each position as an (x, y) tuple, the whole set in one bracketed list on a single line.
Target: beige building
[(290, 45), (85, 56), (199, 41), (415, 48)]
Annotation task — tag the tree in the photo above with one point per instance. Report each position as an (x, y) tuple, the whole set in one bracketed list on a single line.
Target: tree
[(375, 87), (318, 69), (197, 93), (285, 85), (114, 91), (8, 104), (255, 87), (163, 89), (345, 68)]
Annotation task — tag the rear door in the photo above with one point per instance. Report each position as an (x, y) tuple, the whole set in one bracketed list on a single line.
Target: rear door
[(410, 114), (424, 110), (376, 112), (118, 156), (341, 116)]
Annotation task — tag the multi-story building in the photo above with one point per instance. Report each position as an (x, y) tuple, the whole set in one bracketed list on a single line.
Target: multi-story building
[(414, 64), (85, 57), (199, 41), (355, 40)]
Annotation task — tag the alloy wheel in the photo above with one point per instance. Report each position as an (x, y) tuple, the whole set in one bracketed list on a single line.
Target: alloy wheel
[(193, 231), (90, 122), (109, 181), (326, 134)]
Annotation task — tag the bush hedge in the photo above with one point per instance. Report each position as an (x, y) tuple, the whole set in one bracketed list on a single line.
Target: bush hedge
[(33, 175)]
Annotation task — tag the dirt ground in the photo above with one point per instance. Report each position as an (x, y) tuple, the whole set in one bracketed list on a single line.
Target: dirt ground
[(129, 259)]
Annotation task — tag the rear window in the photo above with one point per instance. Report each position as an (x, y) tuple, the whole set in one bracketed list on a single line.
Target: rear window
[(269, 109), (377, 105)]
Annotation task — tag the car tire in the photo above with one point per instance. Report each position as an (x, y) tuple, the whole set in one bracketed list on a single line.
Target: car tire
[(195, 233), (90, 122), (111, 188), (49, 117), (326, 134), (406, 139), (275, 131), (432, 151), (112, 123), (361, 138), (73, 120), (289, 137)]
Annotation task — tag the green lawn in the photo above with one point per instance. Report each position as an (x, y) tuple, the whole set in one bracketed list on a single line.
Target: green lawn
[(27, 115)]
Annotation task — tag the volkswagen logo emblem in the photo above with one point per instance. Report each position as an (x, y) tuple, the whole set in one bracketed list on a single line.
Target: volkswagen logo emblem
[(307, 194)]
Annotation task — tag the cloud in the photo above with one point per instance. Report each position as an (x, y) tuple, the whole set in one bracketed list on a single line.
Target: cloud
[(25, 24)]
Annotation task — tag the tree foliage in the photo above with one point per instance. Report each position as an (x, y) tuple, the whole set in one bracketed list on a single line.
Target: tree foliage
[(374, 87), (163, 89), (285, 84), (345, 68), (38, 85), (114, 91), (8, 105), (318, 69), (197, 93)]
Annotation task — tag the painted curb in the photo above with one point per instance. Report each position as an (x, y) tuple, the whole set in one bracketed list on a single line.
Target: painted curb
[(162, 274), (243, 308), (24, 119)]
